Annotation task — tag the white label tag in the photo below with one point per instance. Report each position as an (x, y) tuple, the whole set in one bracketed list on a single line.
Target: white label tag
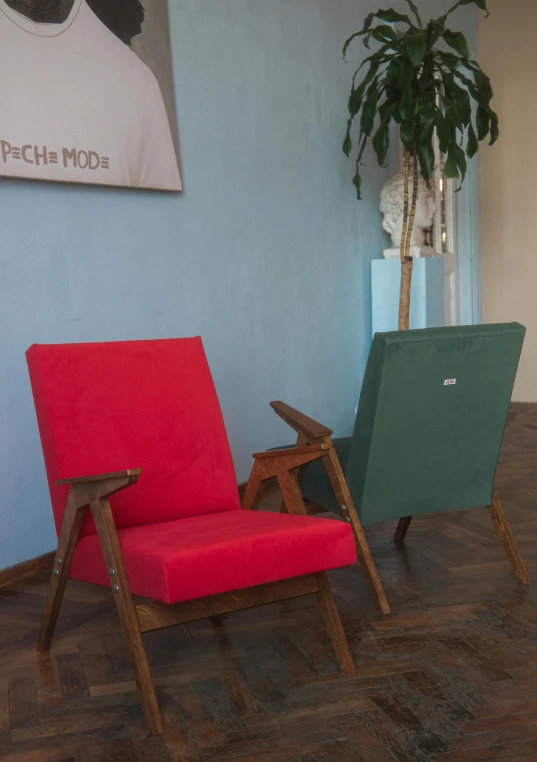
[(450, 382)]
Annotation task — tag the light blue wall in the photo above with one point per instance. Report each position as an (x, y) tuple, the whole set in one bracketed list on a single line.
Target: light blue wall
[(266, 254)]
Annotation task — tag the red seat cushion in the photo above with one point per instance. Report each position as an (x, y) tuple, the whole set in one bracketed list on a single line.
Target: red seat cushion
[(134, 404), (205, 555)]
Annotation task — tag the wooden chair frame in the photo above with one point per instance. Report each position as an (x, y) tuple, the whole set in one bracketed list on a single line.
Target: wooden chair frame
[(312, 433), (137, 618)]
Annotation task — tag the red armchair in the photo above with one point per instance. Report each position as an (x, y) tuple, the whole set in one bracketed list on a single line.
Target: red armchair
[(177, 537)]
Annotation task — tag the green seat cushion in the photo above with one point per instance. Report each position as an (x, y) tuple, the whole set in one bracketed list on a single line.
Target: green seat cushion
[(431, 417)]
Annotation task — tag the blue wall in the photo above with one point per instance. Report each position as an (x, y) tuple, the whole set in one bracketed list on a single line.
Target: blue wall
[(266, 254)]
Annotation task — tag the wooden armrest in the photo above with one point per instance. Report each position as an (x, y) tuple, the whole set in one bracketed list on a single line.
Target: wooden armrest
[(286, 452), (300, 422), (101, 477), (280, 463)]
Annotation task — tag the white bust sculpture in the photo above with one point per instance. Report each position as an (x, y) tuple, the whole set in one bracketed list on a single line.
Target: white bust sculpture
[(392, 206)]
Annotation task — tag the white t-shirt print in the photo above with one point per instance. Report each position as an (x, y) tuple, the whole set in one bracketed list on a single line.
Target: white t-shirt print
[(78, 105)]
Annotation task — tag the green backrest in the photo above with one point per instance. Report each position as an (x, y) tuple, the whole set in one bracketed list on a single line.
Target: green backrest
[(431, 417)]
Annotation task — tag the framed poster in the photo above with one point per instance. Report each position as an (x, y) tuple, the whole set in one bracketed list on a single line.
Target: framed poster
[(86, 93)]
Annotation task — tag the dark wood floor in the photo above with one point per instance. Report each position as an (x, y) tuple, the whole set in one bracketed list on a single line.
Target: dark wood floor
[(451, 676)]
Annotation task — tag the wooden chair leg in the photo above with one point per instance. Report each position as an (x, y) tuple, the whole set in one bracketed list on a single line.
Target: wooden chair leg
[(290, 487), (300, 442), (343, 496), (402, 529), (506, 536), (70, 530), (334, 626), (130, 625), (254, 490)]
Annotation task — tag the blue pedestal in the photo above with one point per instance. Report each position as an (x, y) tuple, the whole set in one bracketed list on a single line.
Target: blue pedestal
[(426, 298)]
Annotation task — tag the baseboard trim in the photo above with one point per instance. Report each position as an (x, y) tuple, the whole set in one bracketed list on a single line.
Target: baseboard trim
[(30, 568)]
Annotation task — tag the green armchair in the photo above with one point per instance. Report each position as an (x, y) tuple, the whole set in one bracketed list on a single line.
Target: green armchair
[(427, 435)]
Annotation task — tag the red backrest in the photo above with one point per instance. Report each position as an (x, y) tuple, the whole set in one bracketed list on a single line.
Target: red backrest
[(134, 404)]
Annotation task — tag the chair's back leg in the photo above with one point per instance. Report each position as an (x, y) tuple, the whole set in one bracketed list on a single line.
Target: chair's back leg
[(128, 617), (402, 528), (334, 626), (506, 536), (69, 532), (343, 496)]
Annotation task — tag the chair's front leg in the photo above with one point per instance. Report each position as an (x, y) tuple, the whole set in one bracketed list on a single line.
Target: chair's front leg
[(334, 626), (104, 521), (70, 530), (348, 510)]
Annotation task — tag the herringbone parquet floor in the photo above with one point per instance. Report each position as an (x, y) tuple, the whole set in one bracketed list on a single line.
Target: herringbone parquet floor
[(451, 676)]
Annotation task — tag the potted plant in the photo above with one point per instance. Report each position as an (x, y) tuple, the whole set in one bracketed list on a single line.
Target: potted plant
[(421, 77)]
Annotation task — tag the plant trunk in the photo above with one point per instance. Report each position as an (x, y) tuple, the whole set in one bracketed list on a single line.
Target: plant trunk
[(407, 263)]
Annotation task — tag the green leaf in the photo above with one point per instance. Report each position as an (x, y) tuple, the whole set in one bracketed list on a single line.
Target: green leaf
[(426, 153), (444, 130), (452, 113), (451, 166), (483, 123), (368, 21), (391, 76), (482, 4), (448, 59), (472, 146), (379, 57), (367, 39), (457, 41), (386, 110), (357, 179), (392, 17), (435, 30), (347, 143), (414, 9), (426, 111), (348, 42), (357, 94), (407, 134), (406, 89), (482, 82), (355, 102), (460, 98), (369, 111), (384, 33), (357, 182), (472, 89), (380, 143), (456, 164), (415, 47), (461, 162), (494, 127), (388, 16)]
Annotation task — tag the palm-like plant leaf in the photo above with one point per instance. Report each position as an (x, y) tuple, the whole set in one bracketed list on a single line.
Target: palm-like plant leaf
[(423, 88), (414, 9)]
